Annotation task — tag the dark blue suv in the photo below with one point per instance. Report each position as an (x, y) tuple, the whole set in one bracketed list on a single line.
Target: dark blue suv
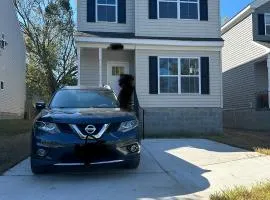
[(84, 126)]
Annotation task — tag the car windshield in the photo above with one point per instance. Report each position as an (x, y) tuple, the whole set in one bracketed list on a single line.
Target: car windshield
[(84, 99)]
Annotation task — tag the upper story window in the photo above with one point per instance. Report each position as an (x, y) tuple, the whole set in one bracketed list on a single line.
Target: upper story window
[(267, 24), (178, 9), (106, 10)]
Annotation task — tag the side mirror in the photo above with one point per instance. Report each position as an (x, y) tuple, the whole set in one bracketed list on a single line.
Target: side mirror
[(40, 105)]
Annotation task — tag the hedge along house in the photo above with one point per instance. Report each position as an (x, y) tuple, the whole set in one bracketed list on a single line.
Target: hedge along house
[(172, 48), (12, 63)]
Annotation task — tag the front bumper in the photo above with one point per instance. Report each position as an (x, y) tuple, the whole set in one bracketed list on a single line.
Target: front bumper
[(70, 150)]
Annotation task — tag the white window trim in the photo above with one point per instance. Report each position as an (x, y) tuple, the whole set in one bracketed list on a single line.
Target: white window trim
[(178, 9), (116, 12), (266, 15), (179, 75)]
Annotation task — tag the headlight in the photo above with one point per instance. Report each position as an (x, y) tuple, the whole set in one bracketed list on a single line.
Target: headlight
[(128, 125), (47, 127)]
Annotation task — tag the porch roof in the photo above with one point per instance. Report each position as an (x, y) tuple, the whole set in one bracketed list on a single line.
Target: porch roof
[(130, 41), (133, 36)]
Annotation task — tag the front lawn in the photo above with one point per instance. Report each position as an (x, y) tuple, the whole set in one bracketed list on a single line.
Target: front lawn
[(250, 140), (257, 192)]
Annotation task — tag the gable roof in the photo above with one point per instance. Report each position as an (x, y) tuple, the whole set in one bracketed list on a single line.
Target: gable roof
[(242, 15)]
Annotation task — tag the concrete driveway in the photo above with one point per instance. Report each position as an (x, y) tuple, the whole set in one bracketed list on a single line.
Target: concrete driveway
[(170, 169)]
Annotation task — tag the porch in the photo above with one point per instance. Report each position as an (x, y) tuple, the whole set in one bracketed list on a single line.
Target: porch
[(100, 66), (103, 59)]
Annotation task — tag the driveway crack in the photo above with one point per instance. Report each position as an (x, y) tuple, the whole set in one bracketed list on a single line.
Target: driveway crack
[(160, 166), (248, 158)]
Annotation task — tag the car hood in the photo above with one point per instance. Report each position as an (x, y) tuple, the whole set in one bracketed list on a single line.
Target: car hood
[(85, 115)]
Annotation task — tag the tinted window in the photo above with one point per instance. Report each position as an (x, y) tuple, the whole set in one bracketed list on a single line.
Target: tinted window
[(84, 99)]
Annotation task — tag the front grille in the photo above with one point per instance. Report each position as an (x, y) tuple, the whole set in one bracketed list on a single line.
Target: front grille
[(82, 127), (65, 128), (113, 127)]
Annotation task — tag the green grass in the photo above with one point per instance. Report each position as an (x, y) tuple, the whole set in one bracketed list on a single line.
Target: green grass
[(258, 192), (14, 127)]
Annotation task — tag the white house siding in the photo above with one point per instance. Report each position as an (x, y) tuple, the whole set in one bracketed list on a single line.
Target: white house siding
[(177, 100), (239, 47), (12, 64), (89, 69), (175, 27), (83, 25)]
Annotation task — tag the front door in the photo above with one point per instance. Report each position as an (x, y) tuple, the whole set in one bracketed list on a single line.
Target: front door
[(115, 69)]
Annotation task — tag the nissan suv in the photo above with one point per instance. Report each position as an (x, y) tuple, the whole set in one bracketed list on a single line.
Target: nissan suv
[(83, 126)]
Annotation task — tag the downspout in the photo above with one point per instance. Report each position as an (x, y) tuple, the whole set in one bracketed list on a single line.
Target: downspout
[(268, 69), (79, 65), (100, 66)]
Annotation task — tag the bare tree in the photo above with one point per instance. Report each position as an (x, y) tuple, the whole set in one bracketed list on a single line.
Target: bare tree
[(48, 28)]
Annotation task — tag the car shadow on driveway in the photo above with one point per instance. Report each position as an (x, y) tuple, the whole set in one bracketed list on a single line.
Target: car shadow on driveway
[(169, 169)]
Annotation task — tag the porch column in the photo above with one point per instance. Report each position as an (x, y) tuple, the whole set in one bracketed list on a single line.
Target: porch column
[(100, 66), (268, 67), (79, 65)]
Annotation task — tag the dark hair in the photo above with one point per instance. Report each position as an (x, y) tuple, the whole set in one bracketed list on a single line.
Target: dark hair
[(126, 91)]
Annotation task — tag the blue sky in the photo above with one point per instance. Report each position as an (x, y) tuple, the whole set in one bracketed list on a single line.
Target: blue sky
[(228, 7)]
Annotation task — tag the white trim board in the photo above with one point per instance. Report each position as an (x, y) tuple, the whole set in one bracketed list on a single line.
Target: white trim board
[(149, 47), (124, 41)]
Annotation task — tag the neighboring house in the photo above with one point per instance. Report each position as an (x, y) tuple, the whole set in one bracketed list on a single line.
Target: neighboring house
[(172, 48), (12, 63), (246, 68)]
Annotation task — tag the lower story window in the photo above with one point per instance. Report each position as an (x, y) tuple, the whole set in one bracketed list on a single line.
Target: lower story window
[(179, 75), (1, 85), (190, 75), (168, 70)]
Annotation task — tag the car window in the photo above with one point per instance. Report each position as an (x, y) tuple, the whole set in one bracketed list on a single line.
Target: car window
[(84, 99)]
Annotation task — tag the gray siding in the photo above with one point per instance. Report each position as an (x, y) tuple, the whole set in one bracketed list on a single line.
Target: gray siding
[(175, 27), (239, 87), (83, 25), (12, 64), (89, 64), (239, 47), (261, 10), (177, 100)]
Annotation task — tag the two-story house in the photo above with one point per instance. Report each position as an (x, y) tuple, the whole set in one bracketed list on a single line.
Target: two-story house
[(171, 47), (246, 68), (12, 63)]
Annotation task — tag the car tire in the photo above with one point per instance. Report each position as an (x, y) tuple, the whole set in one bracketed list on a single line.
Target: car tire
[(132, 164), (37, 169)]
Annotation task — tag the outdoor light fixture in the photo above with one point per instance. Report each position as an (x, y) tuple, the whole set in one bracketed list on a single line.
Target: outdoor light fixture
[(116, 46), (3, 42)]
